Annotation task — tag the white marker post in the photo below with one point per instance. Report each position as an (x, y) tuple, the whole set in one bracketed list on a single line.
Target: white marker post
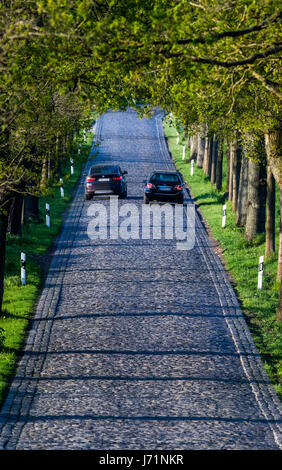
[(72, 169), (23, 270), (47, 215), (192, 167), (62, 188), (177, 138), (183, 152), (260, 272), (223, 215), (84, 135)]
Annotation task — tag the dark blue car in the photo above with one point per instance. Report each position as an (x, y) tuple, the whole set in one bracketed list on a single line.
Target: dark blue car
[(164, 185)]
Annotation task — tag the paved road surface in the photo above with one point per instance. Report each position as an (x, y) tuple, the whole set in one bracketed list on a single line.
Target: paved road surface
[(137, 345)]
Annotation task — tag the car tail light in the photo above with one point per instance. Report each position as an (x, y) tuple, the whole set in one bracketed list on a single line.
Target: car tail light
[(90, 178), (151, 186), (178, 187), (117, 178)]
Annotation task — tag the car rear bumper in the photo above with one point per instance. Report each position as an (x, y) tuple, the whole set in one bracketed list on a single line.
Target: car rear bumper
[(106, 188), (162, 196)]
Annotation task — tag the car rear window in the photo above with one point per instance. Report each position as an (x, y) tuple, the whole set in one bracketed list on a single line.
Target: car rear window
[(165, 178), (104, 170)]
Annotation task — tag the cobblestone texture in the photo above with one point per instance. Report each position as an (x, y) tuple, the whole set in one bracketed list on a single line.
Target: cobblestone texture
[(134, 344)]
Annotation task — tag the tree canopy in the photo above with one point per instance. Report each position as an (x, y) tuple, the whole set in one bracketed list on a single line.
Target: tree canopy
[(212, 62)]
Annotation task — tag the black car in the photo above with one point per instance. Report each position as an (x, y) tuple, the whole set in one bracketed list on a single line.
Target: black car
[(105, 179), (164, 185)]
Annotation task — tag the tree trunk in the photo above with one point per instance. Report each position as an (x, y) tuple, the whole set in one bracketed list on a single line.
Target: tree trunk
[(15, 215), (57, 157), (262, 198), (279, 269), (230, 190), (31, 208), (44, 172), (194, 147), (214, 159), (255, 222), (253, 200), (241, 214), (236, 162), (210, 155), (206, 156), (279, 308), (49, 168), (201, 150), (227, 155), (219, 166), (270, 214), (273, 145), (3, 231)]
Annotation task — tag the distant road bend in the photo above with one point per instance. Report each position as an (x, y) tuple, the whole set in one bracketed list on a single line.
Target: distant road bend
[(135, 344)]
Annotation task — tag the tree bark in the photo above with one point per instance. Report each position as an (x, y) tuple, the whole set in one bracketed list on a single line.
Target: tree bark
[(279, 307), (210, 155), (262, 198), (270, 214), (279, 269), (3, 231), (49, 168), (15, 215), (214, 159), (236, 162), (44, 172), (227, 155), (256, 203), (219, 166), (31, 208), (253, 200), (241, 214), (273, 145), (206, 156), (230, 190), (194, 147), (201, 150)]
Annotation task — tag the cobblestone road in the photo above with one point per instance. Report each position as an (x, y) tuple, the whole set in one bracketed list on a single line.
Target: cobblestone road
[(137, 345)]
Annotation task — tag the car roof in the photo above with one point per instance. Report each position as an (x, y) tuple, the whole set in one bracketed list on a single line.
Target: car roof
[(104, 166), (100, 168), (165, 171)]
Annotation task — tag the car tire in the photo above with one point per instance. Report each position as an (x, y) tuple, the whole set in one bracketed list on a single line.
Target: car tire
[(88, 197), (123, 195), (146, 199), (179, 201)]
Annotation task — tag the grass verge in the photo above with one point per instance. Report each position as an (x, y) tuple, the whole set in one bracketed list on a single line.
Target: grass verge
[(36, 241), (240, 258)]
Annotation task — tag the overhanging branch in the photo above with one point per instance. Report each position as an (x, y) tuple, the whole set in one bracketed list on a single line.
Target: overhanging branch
[(250, 60), (225, 34)]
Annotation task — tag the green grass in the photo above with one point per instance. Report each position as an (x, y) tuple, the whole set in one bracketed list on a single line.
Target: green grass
[(241, 260), (36, 241)]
